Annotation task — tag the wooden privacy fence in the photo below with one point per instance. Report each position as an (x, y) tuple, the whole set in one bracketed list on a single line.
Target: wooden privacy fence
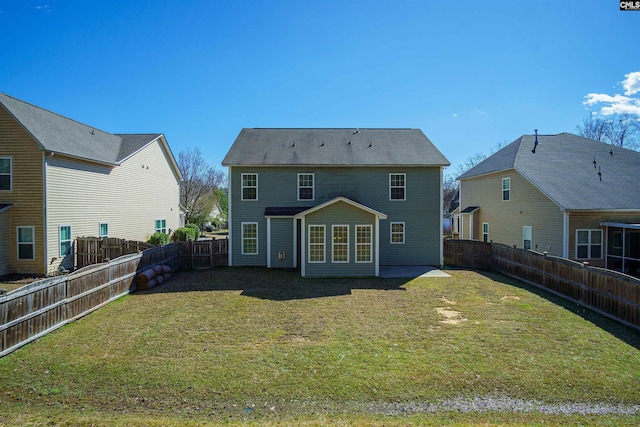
[(33, 311), (94, 250), (205, 253), (608, 292)]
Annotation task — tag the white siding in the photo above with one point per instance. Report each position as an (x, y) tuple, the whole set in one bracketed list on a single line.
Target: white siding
[(129, 197)]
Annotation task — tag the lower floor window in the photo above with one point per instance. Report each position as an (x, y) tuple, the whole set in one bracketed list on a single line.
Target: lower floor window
[(249, 238), (589, 244), (526, 237), (485, 231), (397, 232), (26, 243), (340, 243), (161, 226), (104, 230), (65, 240), (316, 243), (363, 243)]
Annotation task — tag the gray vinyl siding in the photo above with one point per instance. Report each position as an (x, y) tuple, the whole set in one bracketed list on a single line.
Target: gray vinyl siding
[(5, 244), (340, 214), (277, 187), (527, 206), (282, 241)]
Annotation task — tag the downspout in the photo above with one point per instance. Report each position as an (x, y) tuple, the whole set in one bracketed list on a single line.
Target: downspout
[(45, 209), (268, 242), (303, 242), (565, 234), (230, 221)]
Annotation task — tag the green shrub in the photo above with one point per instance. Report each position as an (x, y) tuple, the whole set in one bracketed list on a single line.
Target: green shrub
[(184, 234), (195, 228), (158, 239)]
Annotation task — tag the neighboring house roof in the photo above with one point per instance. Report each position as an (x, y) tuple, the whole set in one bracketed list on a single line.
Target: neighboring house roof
[(61, 135), (333, 147), (562, 168), (469, 209)]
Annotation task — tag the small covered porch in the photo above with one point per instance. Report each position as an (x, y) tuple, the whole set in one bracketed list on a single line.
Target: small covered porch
[(623, 247)]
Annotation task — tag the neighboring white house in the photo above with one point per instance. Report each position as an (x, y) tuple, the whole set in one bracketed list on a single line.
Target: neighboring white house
[(60, 179)]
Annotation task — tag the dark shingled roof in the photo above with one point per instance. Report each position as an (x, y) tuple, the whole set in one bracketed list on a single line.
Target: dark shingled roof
[(333, 147), (470, 209), (562, 168), (58, 134)]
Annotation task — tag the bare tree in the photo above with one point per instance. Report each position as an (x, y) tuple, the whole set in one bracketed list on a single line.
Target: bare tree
[(621, 130), (200, 181)]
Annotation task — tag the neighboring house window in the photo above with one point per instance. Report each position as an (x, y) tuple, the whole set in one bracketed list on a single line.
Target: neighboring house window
[(485, 231), (249, 238), (5, 173), (397, 186), (26, 243), (340, 243), (363, 243), (65, 240), (397, 232), (305, 186), (589, 244), (526, 237), (316, 243), (161, 226), (506, 189), (104, 230), (249, 186)]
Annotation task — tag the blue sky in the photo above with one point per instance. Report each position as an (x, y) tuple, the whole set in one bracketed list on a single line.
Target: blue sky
[(470, 74)]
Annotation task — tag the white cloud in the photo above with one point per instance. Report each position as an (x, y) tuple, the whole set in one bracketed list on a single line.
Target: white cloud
[(618, 104), (455, 115), (480, 111), (631, 83)]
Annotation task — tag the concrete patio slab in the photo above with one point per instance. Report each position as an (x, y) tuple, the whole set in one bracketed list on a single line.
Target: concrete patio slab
[(411, 271)]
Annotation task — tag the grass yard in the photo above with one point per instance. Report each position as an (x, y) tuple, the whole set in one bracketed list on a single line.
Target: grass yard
[(255, 347)]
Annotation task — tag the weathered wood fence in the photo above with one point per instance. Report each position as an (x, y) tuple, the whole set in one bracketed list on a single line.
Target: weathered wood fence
[(205, 253), (33, 311), (95, 250), (608, 292)]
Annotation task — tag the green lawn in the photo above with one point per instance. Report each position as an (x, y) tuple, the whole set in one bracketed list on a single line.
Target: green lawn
[(257, 347)]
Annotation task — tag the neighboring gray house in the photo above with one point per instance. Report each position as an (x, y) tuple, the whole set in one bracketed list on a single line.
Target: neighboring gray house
[(568, 195), (334, 202)]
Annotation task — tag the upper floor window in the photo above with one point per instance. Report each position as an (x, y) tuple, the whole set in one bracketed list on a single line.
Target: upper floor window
[(397, 186), (104, 230), (161, 226), (249, 186), (305, 186), (340, 243), (66, 244), (506, 189), (588, 244), (5, 173), (26, 243)]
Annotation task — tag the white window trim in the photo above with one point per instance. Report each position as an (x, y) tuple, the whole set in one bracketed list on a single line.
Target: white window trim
[(313, 187), (370, 244), (100, 229), (242, 187), (404, 187), (334, 244), (502, 190), (159, 230), (324, 244), (391, 232), (485, 233), (589, 244), (243, 238), (60, 227), (10, 173), (524, 227), (18, 242)]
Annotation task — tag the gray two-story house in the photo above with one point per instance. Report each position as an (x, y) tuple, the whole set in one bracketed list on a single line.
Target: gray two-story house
[(334, 202)]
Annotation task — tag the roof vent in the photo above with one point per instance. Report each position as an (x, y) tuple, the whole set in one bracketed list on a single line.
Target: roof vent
[(535, 145)]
